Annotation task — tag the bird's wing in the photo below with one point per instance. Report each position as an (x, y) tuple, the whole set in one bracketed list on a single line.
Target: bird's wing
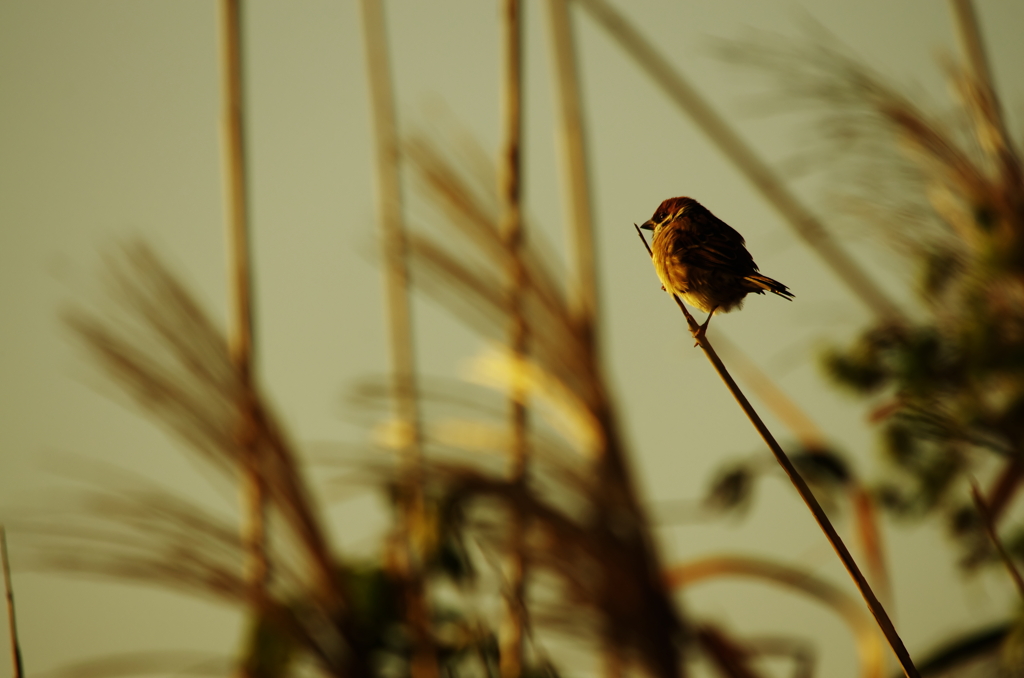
[(710, 243)]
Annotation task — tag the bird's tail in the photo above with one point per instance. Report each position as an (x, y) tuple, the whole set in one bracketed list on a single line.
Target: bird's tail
[(763, 282)]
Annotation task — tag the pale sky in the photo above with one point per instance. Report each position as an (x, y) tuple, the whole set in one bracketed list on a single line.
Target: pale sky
[(109, 114)]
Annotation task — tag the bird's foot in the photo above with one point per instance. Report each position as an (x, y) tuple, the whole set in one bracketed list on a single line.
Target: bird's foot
[(702, 331)]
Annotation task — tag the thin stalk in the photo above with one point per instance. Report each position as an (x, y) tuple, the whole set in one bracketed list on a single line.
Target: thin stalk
[(1006, 485), (393, 237), (973, 48), (509, 192), (876, 608), (970, 40), (812, 438), (990, 529), (575, 179), (866, 517), (12, 624), (404, 388), (253, 491), (743, 157), (789, 413)]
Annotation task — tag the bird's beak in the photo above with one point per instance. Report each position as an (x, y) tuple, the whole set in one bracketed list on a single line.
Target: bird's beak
[(649, 225)]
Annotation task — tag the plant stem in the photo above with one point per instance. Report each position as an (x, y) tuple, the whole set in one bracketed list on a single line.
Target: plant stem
[(12, 624), (990, 529), (876, 608), (253, 490), (404, 388), (575, 179), (812, 439), (973, 48), (509, 192)]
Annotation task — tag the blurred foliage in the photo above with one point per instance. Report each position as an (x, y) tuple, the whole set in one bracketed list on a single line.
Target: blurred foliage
[(944, 190)]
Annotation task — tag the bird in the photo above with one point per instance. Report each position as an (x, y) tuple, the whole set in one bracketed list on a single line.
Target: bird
[(704, 260)]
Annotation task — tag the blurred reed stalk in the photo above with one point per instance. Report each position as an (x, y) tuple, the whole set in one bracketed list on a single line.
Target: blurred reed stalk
[(993, 535), (12, 625), (404, 390), (869, 647), (575, 178), (743, 157), (877, 610), (576, 203), (973, 47), (511, 656), (813, 439), (240, 326)]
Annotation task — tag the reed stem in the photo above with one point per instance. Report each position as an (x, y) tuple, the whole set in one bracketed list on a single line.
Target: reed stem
[(511, 636), (575, 178), (812, 438), (410, 542), (973, 47), (12, 623), (990, 529), (253, 490)]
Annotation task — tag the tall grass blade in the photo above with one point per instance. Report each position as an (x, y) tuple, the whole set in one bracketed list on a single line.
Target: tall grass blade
[(406, 399), (12, 622), (575, 177), (253, 516), (511, 638)]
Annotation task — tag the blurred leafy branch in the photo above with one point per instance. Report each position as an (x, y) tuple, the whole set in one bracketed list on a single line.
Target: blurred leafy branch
[(947, 382)]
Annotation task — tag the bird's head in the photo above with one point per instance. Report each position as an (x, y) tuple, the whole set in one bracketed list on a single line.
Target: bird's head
[(669, 211)]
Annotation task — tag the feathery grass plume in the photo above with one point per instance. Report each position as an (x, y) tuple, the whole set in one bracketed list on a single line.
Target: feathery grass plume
[(168, 355), (346, 619), (949, 386), (164, 351), (605, 565)]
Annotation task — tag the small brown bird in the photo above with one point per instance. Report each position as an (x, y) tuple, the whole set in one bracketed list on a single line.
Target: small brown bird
[(703, 260)]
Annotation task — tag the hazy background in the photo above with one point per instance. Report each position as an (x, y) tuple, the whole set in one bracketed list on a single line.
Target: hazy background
[(109, 123)]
